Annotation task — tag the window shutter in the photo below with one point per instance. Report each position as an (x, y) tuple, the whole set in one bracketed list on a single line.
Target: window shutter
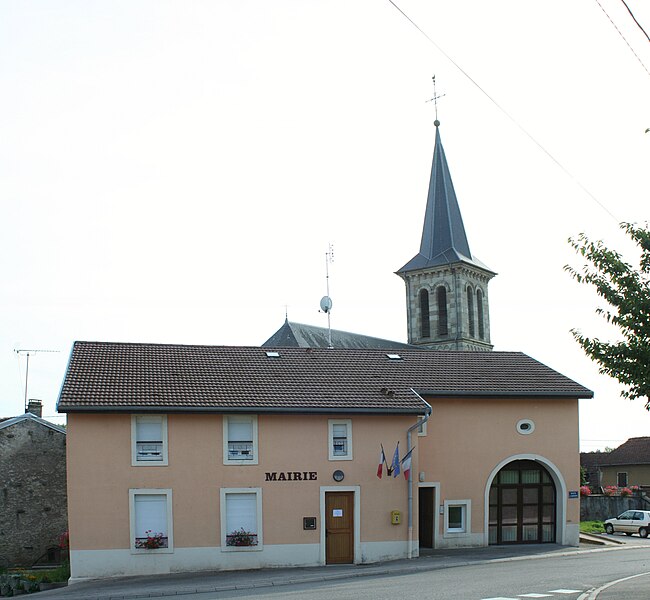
[(150, 514), (240, 431), (339, 430), (149, 429), (241, 512)]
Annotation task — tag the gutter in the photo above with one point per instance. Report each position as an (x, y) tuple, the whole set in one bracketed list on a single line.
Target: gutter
[(419, 423), (159, 408)]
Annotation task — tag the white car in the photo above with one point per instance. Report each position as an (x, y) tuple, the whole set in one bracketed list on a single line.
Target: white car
[(631, 521)]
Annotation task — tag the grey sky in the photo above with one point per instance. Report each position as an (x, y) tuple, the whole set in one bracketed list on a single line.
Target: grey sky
[(174, 171)]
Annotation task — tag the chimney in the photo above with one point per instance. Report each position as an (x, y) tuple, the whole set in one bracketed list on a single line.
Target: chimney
[(35, 407)]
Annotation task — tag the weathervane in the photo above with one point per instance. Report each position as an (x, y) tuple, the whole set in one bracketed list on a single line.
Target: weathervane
[(435, 100)]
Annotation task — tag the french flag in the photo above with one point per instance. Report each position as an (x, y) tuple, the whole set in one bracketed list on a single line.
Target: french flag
[(382, 460), (406, 463)]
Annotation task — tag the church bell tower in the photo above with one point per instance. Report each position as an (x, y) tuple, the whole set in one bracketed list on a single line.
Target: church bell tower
[(447, 305)]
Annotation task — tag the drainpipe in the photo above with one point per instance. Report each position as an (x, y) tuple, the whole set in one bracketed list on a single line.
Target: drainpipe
[(410, 479)]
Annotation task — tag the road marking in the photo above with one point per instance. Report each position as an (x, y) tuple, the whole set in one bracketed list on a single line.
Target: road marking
[(547, 595), (594, 594)]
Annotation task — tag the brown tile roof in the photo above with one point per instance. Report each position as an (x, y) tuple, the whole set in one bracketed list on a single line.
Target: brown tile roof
[(636, 451), (590, 460), (119, 376)]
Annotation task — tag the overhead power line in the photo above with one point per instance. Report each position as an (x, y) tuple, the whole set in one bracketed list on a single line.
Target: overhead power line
[(506, 113), (634, 19), (621, 34)]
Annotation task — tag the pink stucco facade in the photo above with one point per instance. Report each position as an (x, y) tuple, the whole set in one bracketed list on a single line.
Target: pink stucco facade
[(467, 441)]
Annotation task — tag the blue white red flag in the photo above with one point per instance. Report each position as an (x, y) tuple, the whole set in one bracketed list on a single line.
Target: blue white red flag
[(382, 460), (406, 463)]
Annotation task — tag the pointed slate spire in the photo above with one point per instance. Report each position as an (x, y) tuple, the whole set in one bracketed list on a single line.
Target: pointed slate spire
[(443, 236)]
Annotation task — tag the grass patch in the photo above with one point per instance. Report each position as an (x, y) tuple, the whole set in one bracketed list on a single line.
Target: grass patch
[(592, 527), (56, 575)]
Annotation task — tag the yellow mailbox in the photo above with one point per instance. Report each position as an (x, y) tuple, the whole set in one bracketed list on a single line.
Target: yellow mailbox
[(395, 517)]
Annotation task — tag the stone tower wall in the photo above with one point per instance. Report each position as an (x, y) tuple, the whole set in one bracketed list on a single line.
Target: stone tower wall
[(456, 279)]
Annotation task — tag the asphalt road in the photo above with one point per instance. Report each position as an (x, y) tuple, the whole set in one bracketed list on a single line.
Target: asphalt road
[(570, 577)]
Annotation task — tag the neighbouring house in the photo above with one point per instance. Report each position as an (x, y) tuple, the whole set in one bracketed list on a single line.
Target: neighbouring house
[(185, 458), (213, 457), (33, 504), (590, 463), (629, 464)]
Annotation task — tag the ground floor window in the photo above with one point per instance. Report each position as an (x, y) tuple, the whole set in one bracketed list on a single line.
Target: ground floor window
[(621, 479), (151, 520), (522, 504), (457, 517), (241, 519)]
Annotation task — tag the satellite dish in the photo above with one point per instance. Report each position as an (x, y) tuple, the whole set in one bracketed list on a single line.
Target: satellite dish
[(326, 304)]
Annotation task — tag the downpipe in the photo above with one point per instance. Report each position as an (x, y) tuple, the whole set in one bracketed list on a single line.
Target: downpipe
[(427, 414)]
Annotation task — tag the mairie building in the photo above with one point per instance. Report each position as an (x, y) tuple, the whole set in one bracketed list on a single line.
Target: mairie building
[(189, 458)]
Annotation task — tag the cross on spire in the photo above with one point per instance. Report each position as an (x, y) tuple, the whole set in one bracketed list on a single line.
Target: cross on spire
[(435, 100)]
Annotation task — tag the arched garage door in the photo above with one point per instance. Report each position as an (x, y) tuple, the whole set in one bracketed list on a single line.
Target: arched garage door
[(522, 504)]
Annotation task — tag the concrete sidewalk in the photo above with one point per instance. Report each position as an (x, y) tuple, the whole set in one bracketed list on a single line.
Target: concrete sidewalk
[(178, 584)]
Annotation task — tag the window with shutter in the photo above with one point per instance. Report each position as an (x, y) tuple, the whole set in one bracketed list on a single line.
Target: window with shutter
[(340, 439), (149, 440), (240, 439), (150, 519), (241, 514)]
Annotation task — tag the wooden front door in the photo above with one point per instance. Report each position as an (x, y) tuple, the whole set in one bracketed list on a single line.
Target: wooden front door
[(339, 528), (426, 506)]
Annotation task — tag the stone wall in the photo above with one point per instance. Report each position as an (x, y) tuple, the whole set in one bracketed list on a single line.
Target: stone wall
[(33, 503), (599, 508)]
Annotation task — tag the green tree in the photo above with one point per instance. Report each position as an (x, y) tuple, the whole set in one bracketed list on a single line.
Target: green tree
[(626, 290)]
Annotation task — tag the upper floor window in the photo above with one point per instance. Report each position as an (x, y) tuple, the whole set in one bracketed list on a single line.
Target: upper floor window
[(425, 325), (442, 311), (149, 440), (340, 439), (240, 440), (151, 520), (470, 311), (479, 311)]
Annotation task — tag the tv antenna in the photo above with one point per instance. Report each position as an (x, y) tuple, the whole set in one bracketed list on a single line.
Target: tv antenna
[(27, 353), (326, 301)]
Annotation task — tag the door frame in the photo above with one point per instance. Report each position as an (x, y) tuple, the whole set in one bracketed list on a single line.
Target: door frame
[(560, 495), (356, 489), (436, 510)]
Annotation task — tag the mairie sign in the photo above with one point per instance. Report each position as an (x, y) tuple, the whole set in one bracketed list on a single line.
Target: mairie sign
[(291, 476)]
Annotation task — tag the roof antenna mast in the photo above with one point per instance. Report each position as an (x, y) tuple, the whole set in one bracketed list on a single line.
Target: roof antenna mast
[(27, 353), (326, 301)]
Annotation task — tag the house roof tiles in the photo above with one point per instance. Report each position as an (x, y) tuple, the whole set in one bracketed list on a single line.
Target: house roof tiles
[(125, 377), (636, 451)]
